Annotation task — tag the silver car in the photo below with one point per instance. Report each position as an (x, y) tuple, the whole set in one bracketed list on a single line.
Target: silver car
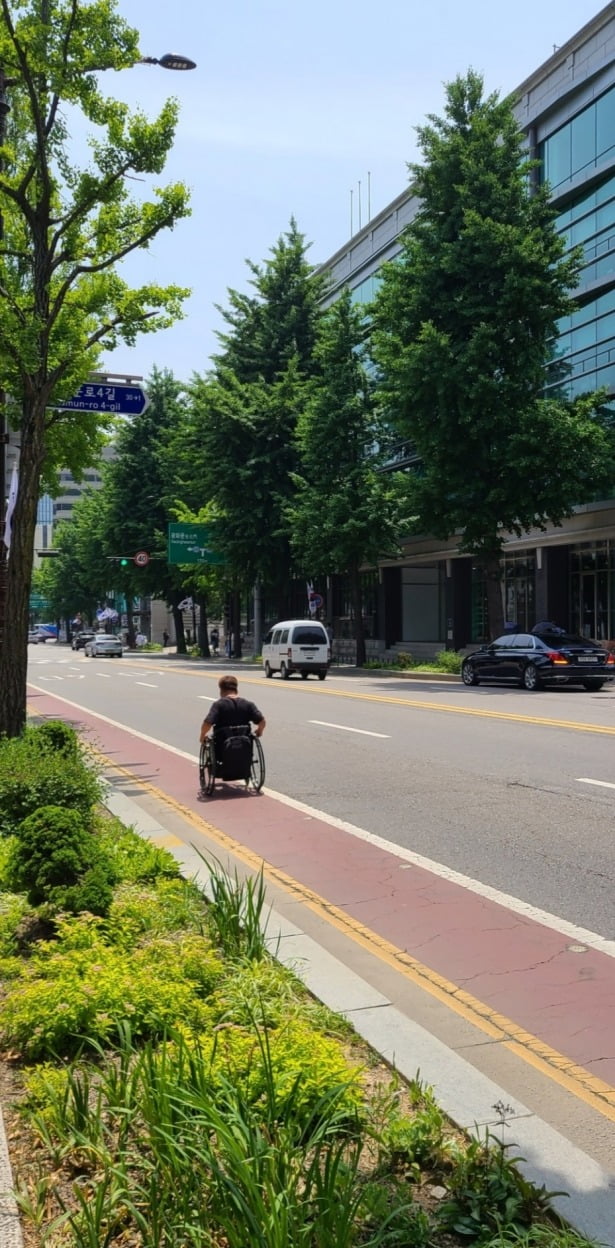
[(103, 643)]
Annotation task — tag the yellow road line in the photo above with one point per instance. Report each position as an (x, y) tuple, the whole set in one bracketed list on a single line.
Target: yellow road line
[(594, 1092), (606, 730)]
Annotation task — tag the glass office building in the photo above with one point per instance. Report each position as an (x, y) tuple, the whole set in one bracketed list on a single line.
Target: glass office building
[(433, 595)]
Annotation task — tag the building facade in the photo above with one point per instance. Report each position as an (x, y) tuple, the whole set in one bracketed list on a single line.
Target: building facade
[(433, 596)]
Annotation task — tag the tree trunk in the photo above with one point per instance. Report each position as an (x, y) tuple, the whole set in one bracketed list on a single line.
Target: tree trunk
[(357, 606), (130, 622), (14, 650), (493, 570), (236, 624), (178, 621), (203, 631)]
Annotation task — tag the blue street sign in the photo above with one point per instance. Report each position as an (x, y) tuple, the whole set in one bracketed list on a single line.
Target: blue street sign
[(96, 396)]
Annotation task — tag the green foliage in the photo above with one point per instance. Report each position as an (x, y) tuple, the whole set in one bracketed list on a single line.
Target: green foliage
[(236, 912), (68, 227), (300, 1065), (140, 910), (449, 661), (487, 1192), (56, 858), (465, 321), (13, 909), (56, 736), (345, 511), (79, 990), (33, 775), (135, 859), (236, 446)]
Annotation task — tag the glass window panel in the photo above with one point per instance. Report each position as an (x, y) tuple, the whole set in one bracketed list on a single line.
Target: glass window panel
[(583, 229), (584, 336), (606, 189), (558, 157), (583, 139), (605, 216), (605, 123), (605, 265)]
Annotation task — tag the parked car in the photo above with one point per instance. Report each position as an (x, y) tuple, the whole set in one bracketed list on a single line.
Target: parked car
[(79, 639), (34, 636), (536, 659), (103, 643), (297, 646)]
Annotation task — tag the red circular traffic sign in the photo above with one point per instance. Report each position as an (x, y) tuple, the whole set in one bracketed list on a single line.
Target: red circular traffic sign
[(141, 558)]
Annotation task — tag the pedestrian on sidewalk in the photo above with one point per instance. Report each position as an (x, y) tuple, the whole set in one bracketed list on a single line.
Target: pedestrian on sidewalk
[(214, 639), (165, 639)]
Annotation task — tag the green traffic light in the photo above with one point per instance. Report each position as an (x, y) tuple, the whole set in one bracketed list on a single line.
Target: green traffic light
[(124, 563)]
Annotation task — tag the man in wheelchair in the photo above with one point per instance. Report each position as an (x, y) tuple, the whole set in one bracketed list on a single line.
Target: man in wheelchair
[(228, 722)]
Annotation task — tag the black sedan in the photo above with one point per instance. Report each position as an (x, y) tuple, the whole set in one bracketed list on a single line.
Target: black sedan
[(533, 660), (79, 639)]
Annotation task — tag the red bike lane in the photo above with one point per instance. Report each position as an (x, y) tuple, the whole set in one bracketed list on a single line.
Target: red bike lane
[(550, 995)]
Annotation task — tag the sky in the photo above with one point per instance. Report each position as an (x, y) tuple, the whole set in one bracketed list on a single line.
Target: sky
[(294, 103)]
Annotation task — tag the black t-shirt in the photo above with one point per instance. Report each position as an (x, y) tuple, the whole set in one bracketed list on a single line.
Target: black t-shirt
[(227, 712)]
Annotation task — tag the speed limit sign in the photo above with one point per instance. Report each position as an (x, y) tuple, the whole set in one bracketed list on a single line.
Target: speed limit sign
[(141, 558)]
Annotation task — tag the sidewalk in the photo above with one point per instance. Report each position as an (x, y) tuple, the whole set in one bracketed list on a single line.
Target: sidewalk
[(493, 1007)]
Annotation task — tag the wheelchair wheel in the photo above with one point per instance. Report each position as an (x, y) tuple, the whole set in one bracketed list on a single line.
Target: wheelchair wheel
[(256, 779), (207, 769)]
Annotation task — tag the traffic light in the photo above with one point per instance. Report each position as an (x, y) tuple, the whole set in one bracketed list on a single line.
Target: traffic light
[(124, 563)]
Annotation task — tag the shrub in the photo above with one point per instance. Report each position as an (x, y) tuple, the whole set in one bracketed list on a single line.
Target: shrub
[(164, 906), (33, 775), (71, 993), (56, 736), (135, 859), (404, 660), (56, 858), (449, 661), (305, 1067)]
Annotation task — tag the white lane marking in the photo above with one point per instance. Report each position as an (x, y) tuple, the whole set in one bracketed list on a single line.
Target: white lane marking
[(344, 728), (603, 784), (581, 934), (104, 675), (205, 697), (52, 677), (146, 684)]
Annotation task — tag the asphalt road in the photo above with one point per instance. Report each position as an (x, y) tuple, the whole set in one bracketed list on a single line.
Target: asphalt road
[(491, 782)]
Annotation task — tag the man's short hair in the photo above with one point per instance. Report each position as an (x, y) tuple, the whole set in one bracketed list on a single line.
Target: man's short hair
[(227, 684)]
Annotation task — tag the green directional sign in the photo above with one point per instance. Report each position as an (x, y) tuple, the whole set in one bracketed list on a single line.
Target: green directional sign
[(192, 543), (37, 602)]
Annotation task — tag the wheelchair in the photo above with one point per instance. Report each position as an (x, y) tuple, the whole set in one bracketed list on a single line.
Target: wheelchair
[(229, 754)]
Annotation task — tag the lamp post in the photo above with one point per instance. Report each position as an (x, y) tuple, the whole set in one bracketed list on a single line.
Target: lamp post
[(170, 60)]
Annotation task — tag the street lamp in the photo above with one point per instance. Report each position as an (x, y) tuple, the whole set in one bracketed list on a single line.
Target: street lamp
[(170, 60)]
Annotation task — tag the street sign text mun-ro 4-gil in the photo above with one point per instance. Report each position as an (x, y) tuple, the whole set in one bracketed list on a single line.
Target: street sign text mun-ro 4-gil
[(115, 399)]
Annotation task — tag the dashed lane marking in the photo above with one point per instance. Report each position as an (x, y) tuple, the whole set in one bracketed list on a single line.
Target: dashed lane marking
[(344, 728)]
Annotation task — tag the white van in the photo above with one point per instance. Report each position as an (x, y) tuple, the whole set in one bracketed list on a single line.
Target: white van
[(297, 646)]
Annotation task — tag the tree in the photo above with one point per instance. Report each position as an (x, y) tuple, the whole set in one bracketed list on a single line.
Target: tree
[(464, 325), (346, 509), (136, 487), (66, 229), (242, 417), (77, 580)]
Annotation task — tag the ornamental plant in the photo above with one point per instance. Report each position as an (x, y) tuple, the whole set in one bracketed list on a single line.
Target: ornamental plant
[(55, 858)]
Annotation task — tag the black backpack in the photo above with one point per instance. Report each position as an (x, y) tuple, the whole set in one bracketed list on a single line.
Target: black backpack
[(234, 750)]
